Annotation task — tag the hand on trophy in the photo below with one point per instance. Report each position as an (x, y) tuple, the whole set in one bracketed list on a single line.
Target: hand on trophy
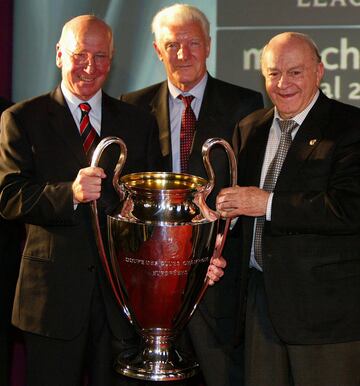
[(217, 263), (87, 185), (215, 270), (238, 200)]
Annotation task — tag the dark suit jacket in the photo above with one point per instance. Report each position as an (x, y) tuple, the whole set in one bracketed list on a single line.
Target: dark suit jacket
[(10, 245), (223, 105), (312, 243), (41, 153), (11, 235)]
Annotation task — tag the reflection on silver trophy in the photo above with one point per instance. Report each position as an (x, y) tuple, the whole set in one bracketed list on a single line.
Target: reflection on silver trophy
[(160, 242)]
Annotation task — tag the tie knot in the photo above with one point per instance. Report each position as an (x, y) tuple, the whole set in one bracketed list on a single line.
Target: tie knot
[(85, 107), (287, 125), (186, 99)]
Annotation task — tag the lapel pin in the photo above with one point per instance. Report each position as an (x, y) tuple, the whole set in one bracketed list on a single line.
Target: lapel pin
[(312, 142)]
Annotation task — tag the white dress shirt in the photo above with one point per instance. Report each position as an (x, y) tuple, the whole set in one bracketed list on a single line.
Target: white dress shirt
[(95, 112), (271, 148)]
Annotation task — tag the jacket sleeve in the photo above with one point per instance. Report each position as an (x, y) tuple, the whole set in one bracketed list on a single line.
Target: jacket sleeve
[(24, 194)]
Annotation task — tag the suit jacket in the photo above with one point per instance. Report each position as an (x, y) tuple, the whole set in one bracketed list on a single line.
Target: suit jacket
[(222, 107), (40, 155), (312, 243), (11, 234)]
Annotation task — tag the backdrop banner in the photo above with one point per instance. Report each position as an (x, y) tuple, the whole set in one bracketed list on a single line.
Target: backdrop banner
[(245, 27)]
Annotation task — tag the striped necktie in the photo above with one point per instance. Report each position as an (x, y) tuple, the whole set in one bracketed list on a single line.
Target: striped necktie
[(87, 132)]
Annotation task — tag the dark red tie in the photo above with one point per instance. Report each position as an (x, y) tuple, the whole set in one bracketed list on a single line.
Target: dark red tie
[(188, 124), (87, 132)]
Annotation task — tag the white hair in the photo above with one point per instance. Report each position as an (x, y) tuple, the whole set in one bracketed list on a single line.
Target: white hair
[(179, 14)]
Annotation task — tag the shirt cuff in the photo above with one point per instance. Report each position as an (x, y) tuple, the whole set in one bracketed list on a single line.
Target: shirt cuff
[(268, 207)]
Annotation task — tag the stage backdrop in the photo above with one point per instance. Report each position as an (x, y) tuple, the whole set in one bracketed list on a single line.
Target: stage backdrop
[(239, 30), (243, 27), (38, 26)]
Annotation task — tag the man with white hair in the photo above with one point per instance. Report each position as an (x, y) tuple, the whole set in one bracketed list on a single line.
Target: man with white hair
[(191, 94)]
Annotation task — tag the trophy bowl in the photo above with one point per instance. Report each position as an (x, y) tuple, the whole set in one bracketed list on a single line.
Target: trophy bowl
[(160, 245)]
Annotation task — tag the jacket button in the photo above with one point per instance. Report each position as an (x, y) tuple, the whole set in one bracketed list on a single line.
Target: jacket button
[(91, 268)]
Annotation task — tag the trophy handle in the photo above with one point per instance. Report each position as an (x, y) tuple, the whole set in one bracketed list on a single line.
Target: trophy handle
[(208, 145), (103, 144), (223, 230)]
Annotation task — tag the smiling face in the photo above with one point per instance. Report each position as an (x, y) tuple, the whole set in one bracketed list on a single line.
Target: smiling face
[(183, 49), (292, 73), (84, 55)]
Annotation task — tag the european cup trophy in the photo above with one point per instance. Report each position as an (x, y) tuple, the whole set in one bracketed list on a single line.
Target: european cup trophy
[(160, 245)]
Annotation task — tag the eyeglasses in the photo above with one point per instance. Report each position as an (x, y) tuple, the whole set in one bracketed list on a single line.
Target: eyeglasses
[(82, 58)]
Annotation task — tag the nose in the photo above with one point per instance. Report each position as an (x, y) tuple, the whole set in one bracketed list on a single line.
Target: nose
[(90, 66), (183, 53), (283, 81)]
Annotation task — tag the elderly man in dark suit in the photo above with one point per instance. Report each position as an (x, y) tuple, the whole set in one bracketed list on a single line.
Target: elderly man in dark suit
[(11, 234), (182, 43), (63, 304), (299, 202)]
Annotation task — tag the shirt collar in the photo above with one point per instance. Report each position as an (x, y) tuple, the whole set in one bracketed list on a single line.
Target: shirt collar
[(299, 118), (197, 91), (73, 101)]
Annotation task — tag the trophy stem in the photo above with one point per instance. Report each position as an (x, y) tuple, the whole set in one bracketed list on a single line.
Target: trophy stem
[(157, 360)]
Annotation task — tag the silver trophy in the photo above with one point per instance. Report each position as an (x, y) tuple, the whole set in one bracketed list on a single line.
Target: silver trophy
[(160, 245)]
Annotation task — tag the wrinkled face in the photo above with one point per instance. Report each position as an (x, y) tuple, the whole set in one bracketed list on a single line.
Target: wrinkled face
[(183, 49), (292, 74), (84, 56)]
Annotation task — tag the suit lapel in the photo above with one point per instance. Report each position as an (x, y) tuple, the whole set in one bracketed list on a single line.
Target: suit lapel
[(211, 115), (63, 124), (212, 108), (109, 120), (252, 158), (307, 139), (160, 108)]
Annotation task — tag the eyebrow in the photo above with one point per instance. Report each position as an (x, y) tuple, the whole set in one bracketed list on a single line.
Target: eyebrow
[(300, 66)]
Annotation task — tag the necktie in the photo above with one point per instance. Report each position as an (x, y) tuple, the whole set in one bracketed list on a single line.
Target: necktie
[(87, 132), (286, 127), (188, 123)]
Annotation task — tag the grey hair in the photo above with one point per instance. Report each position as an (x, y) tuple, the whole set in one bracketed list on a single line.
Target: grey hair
[(178, 14)]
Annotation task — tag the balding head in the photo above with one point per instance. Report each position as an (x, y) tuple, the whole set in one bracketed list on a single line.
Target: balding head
[(293, 70), (84, 55), (77, 25), (291, 37)]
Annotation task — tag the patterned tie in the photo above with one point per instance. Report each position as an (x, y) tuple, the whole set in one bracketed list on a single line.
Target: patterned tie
[(188, 124), (87, 132), (286, 127)]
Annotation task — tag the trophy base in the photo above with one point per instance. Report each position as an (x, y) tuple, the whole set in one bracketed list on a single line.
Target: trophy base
[(147, 365)]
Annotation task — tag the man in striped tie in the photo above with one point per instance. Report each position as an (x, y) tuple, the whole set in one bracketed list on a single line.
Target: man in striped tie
[(63, 304)]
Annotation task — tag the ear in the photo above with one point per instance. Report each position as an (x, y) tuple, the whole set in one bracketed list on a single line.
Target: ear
[(208, 47), (158, 51), (320, 72), (58, 56)]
